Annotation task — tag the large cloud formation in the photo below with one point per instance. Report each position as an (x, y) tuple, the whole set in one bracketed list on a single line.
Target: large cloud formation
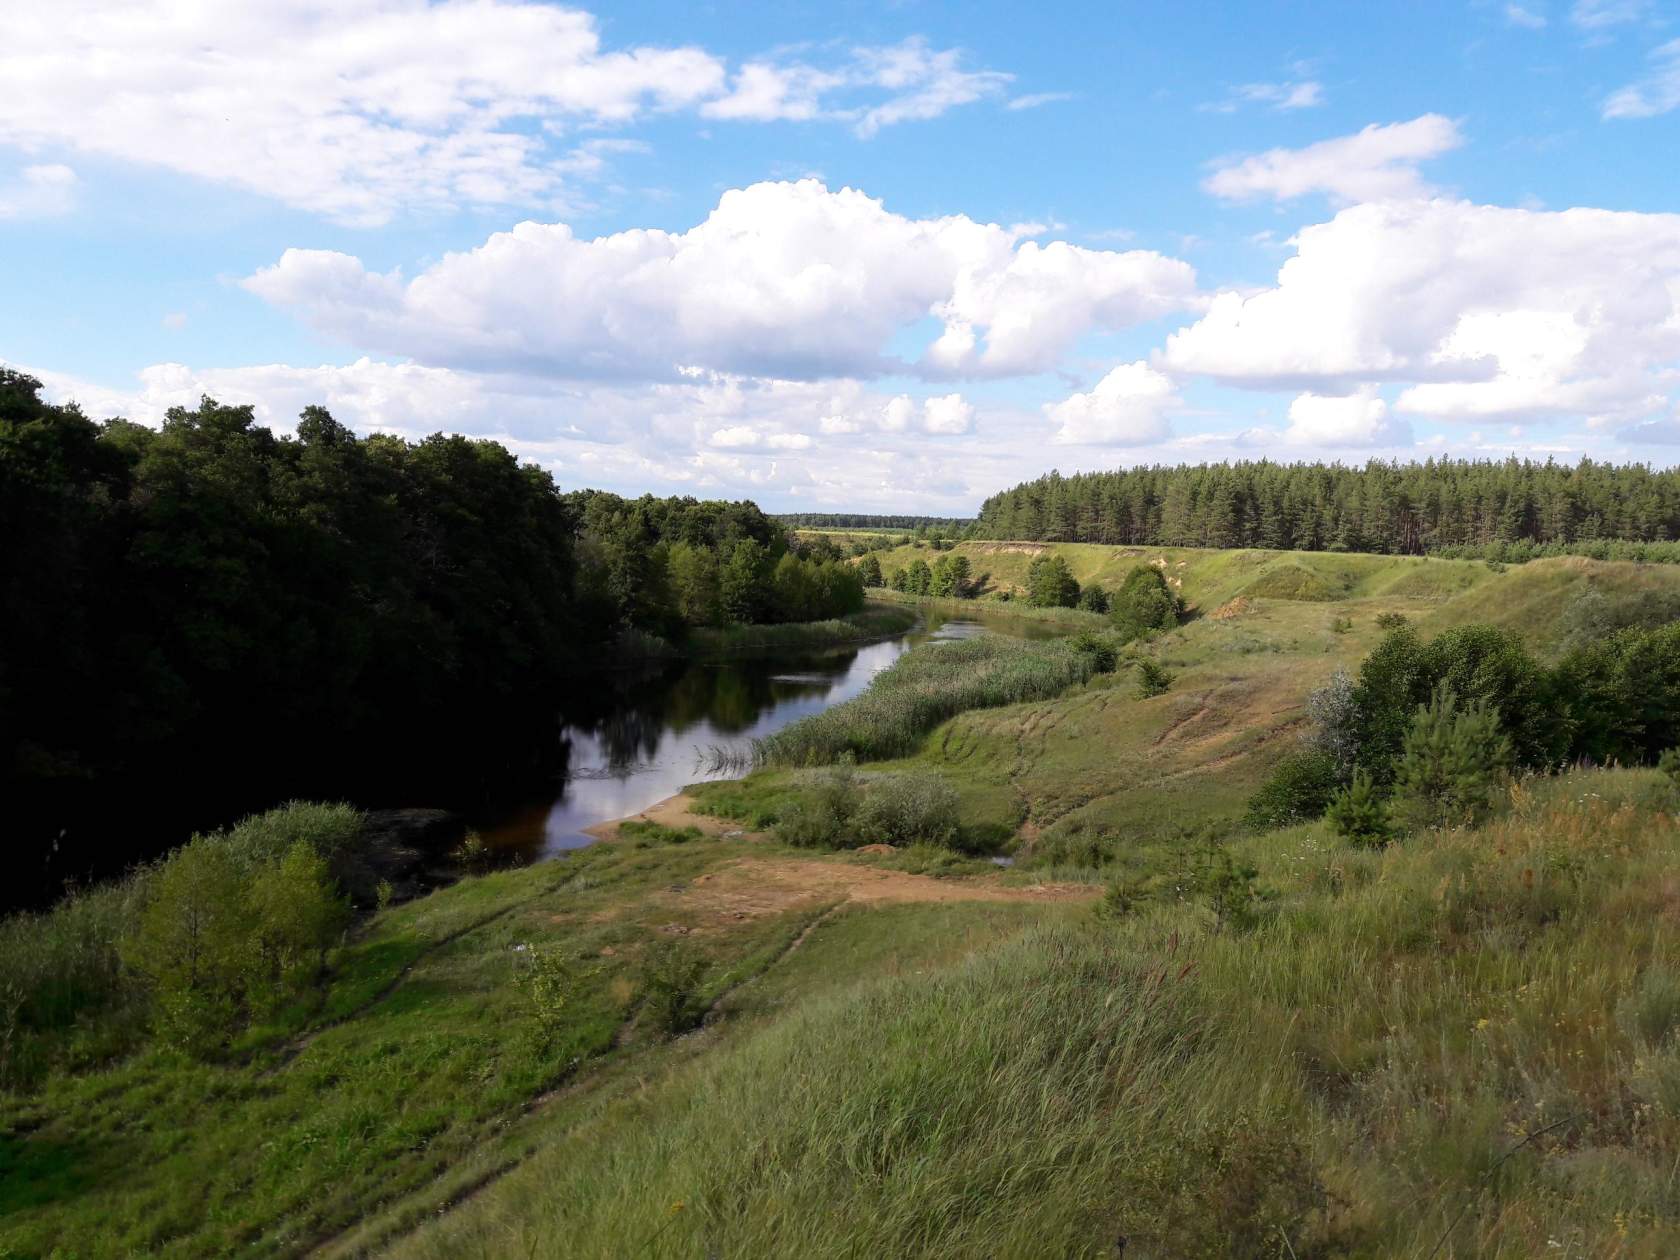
[(782, 279), (1483, 312), (354, 109)]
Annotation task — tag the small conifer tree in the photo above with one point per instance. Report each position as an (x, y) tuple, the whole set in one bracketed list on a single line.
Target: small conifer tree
[(1358, 814), (1451, 764)]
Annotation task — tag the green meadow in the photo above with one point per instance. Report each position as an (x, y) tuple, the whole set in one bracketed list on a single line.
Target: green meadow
[(1156, 1033)]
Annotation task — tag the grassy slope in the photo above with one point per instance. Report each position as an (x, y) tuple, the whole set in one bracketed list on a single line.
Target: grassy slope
[(1099, 762), (1367, 990), (423, 1073), (1461, 1046)]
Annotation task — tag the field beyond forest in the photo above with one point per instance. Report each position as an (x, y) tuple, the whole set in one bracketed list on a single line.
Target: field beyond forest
[(1161, 1032)]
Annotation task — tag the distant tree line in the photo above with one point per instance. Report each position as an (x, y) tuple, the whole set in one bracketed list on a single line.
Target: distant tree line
[(852, 520), (1466, 507), (205, 619)]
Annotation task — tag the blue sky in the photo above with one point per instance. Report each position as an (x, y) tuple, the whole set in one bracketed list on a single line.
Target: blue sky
[(860, 256)]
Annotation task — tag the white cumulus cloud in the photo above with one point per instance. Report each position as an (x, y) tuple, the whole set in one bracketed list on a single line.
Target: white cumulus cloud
[(1375, 163), (782, 279), (1128, 407), (356, 109), (1356, 420), (1483, 311)]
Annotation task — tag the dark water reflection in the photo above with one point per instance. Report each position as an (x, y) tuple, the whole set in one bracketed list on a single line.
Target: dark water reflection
[(641, 739)]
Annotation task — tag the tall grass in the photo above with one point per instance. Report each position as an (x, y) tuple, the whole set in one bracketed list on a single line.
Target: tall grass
[(1006, 609), (858, 627), (923, 688), (1465, 1045)]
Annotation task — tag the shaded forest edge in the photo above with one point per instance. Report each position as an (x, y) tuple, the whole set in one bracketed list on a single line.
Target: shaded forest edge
[(206, 619)]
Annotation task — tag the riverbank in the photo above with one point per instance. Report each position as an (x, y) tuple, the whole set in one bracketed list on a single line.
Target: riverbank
[(1069, 620), (875, 622)]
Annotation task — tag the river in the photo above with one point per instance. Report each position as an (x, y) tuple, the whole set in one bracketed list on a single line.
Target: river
[(654, 735)]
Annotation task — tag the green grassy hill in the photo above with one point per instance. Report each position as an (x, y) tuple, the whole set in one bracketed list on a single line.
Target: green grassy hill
[(1465, 1045)]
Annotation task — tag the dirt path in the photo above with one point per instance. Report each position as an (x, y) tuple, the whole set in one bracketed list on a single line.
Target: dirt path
[(751, 887)]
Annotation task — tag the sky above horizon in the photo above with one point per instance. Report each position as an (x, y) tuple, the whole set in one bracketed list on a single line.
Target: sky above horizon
[(853, 256)]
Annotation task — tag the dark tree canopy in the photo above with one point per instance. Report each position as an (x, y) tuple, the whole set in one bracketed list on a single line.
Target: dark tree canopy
[(208, 619)]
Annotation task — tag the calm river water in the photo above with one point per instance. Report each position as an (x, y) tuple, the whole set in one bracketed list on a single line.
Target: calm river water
[(658, 734)]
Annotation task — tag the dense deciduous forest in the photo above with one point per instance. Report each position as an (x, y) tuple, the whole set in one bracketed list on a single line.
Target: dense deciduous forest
[(1433, 506), (205, 618)]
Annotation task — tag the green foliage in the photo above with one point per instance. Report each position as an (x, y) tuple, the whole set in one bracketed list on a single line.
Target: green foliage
[(1101, 648), (1297, 790), (906, 809), (643, 831), (1094, 598), (839, 809), (1333, 710), (233, 924), (1669, 764), (950, 577), (821, 817), (1481, 666), (1050, 583), (552, 987), (1358, 814), (670, 985), (743, 581), (869, 571), (1153, 678), (1144, 604), (1453, 763)]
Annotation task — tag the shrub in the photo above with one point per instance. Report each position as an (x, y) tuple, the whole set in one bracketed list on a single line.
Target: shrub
[(1669, 764), (1334, 713), (551, 985), (904, 809), (1103, 651), (1340, 624), (192, 943), (1298, 790), (670, 984), (1452, 765), (1144, 603), (822, 817), (1391, 620), (1094, 598), (294, 914), (1050, 583), (1154, 678), (1358, 814), (1224, 885)]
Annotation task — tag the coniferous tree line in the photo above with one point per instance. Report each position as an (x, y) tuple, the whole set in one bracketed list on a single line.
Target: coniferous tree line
[(205, 619), (1509, 509), (854, 520)]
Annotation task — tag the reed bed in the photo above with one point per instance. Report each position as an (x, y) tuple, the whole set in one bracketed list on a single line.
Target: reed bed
[(859, 627), (923, 688)]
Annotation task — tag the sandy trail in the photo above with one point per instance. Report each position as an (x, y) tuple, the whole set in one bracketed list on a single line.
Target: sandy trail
[(751, 886)]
